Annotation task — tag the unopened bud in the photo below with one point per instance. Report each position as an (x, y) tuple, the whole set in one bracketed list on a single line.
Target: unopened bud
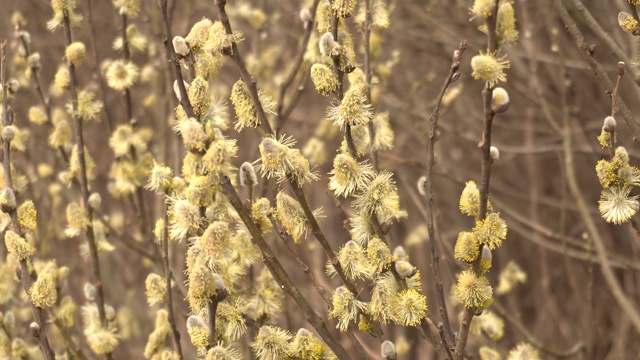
[(405, 269), (388, 350), (14, 86), (499, 100), (8, 133), (34, 61), (9, 321), (328, 45), (494, 154), (75, 53), (95, 200), (89, 291), (176, 89), (180, 45), (247, 175), (7, 200), (422, 182), (609, 124), (109, 313), (35, 329), (305, 16), (399, 253)]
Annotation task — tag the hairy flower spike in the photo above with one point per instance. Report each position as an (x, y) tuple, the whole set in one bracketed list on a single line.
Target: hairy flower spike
[(488, 323), (246, 113), (506, 31), (491, 231), (291, 216), (260, 212), (130, 8), (193, 134), (156, 289), (323, 16), (306, 346), (344, 307), (467, 247), (183, 218), (380, 198), (18, 246), (324, 79), (489, 68), (88, 108), (483, 8), (160, 178), (473, 290), (199, 34), (271, 343), (352, 110), (379, 255), (523, 351), (27, 217), (198, 331), (200, 96), (354, 261), (122, 74), (344, 8), (410, 307), (43, 293), (348, 175), (77, 220), (328, 45), (75, 53), (616, 206), (628, 23)]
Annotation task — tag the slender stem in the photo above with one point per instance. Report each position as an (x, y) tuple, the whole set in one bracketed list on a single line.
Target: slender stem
[(435, 259), (248, 79), (485, 146), (213, 308), (368, 75), (84, 185), (173, 59), (278, 272), (96, 67), (168, 275), (302, 49), (23, 274)]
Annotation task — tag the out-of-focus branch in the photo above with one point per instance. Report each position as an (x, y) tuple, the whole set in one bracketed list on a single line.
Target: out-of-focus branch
[(428, 189)]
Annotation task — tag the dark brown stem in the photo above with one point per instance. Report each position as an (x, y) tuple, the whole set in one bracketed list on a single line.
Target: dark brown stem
[(213, 308), (25, 275), (428, 189), (168, 275), (302, 49), (247, 78), (485, 147), (84, 184), (278, 272), (173, 59)]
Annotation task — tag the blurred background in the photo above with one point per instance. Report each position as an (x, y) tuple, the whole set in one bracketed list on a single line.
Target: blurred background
[(565, 300)]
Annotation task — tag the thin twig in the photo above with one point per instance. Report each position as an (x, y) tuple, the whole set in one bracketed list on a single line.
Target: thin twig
[(368, 75), (302, 49), (247, 78), (168, 275), (84, 184), (278, 272), (428, 188), (485, 146), (175, 62), (23, 272)]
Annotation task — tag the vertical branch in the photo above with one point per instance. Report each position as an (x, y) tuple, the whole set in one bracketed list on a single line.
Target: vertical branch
[(84, 184), (247, 78), (173, 59), (278, 272), (283, 115), (485, 147), (366, 43), (168, 275), (428, 188), (96, 68), (38, 331)]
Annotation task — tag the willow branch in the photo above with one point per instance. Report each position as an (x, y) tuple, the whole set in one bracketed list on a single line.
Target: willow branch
[(278, 272), (23, 271), (84, 184), (247, 78), (428, 188), (168, 276), (297, 63)]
